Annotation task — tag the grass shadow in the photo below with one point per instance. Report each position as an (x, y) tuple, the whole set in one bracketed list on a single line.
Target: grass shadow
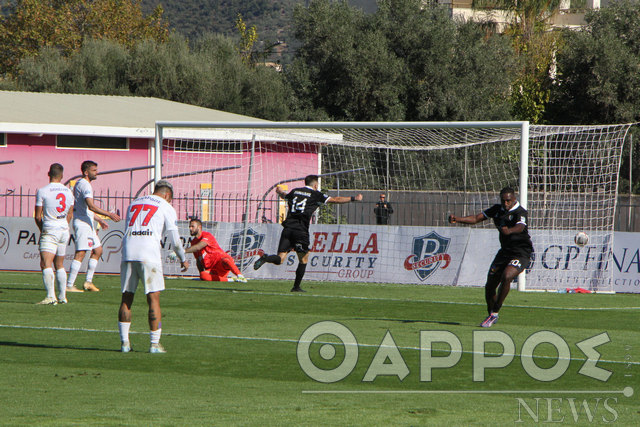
[(65, 347), (406, 320), (221, 289)]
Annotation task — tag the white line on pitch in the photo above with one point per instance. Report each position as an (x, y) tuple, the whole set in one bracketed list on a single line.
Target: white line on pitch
[(309, 295), (295, 341), (287, 294), (627, 391)]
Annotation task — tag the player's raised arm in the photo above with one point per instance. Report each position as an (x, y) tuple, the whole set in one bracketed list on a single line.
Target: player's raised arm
[(470, 219), (342, 200), (281, 191)]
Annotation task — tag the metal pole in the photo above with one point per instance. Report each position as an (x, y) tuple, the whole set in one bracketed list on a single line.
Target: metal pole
[(245, 218), (137, 168), (630, 181), (466, 170), (157, 169), (338, 205), (388, 177), (211, 198), (524, 180)]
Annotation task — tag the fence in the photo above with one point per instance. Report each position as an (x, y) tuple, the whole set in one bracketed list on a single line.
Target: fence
[(410, 208)]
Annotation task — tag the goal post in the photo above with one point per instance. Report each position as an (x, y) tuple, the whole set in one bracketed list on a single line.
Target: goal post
[(566, 176)]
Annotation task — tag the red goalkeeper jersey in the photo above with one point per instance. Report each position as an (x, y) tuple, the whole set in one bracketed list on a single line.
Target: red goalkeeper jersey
[(210, 254)]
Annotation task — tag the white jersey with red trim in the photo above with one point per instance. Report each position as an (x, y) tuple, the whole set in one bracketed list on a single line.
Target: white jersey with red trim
[(148, 217), (56, 200), (81, 192)]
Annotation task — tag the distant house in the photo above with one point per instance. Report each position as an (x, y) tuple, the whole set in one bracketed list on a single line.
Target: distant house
[(570, 15), (117, 132)]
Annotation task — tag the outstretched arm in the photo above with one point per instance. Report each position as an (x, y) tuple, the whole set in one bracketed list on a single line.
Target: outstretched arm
[(341, 200), (471, 219), (174, 239), (196, 247), (92, 206), (280, 191)]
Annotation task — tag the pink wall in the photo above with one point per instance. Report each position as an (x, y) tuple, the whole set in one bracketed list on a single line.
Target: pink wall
[(273, 163), (33, 155)]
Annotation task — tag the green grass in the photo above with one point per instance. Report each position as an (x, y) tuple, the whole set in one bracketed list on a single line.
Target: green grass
[(232, 357)]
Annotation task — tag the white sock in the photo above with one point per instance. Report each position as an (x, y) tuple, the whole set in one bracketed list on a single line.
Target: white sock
[(91, 268), (61, 282), (155, 336), (73, 272), (123, 327), (48, 279)]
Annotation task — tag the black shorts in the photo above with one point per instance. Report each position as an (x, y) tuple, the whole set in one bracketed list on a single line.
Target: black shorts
[(520, 261), (293, 238)]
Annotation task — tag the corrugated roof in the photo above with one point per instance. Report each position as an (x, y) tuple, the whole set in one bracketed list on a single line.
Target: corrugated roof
[(125, 116)]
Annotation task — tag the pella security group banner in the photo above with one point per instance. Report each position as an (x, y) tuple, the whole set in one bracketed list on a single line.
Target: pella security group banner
[(368, 253)]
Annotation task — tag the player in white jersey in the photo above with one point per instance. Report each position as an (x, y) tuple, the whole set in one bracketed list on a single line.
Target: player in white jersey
[(84, 228), (52, 216), (148, 217)]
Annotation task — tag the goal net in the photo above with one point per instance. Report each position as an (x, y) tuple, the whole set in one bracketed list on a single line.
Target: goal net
[(566, 176)]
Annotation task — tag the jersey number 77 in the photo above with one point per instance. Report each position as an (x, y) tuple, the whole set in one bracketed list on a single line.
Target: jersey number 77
[(136, 209)]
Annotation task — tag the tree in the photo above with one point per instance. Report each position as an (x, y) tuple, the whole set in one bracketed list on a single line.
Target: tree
[(598, 69), (65, 24), (248, 37), (536, 46), (209, 74), (344, 66), (598, 79), (405, 62)]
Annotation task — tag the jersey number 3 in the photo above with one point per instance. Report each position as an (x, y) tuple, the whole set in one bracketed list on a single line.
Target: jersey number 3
[(63, 202), (136, 209)]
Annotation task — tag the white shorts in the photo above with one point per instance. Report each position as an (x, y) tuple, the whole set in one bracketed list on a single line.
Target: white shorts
[(86, 237), (131, 272), (54, 241)]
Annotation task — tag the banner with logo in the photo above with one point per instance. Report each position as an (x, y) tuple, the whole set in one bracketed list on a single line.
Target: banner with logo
[(362, 253)]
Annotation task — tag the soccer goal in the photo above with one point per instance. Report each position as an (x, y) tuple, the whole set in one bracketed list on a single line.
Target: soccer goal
[(566, 176)]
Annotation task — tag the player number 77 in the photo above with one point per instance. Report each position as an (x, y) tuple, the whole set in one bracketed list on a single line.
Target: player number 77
[(136, 209)]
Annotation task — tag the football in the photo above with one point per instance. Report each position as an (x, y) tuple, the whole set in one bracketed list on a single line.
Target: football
[(581, 238)]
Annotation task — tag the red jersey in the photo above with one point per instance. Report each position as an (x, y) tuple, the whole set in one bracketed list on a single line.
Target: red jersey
[(210, 254)]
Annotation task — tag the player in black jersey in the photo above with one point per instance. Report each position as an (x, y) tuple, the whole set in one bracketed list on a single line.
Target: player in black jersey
[(515, 251), (302, 203)]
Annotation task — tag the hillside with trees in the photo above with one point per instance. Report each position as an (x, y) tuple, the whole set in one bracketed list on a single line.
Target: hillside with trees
[(193, 18)]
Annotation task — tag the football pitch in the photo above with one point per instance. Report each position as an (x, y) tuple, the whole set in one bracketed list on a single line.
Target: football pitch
[(233, 357)]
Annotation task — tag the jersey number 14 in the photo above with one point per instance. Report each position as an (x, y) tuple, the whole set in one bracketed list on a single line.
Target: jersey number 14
[(298, 206)]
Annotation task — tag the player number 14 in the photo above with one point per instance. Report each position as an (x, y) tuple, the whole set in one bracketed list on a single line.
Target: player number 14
[(298, 206)]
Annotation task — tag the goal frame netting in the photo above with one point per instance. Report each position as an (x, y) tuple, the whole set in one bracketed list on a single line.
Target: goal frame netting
[(175, 129)]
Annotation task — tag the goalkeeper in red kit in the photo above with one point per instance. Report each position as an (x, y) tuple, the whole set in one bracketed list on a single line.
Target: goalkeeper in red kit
[(213, 263)]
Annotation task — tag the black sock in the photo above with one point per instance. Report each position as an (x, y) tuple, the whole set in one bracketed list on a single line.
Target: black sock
[(273, 259), (489, 295), (496, 307), (299, 274)]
